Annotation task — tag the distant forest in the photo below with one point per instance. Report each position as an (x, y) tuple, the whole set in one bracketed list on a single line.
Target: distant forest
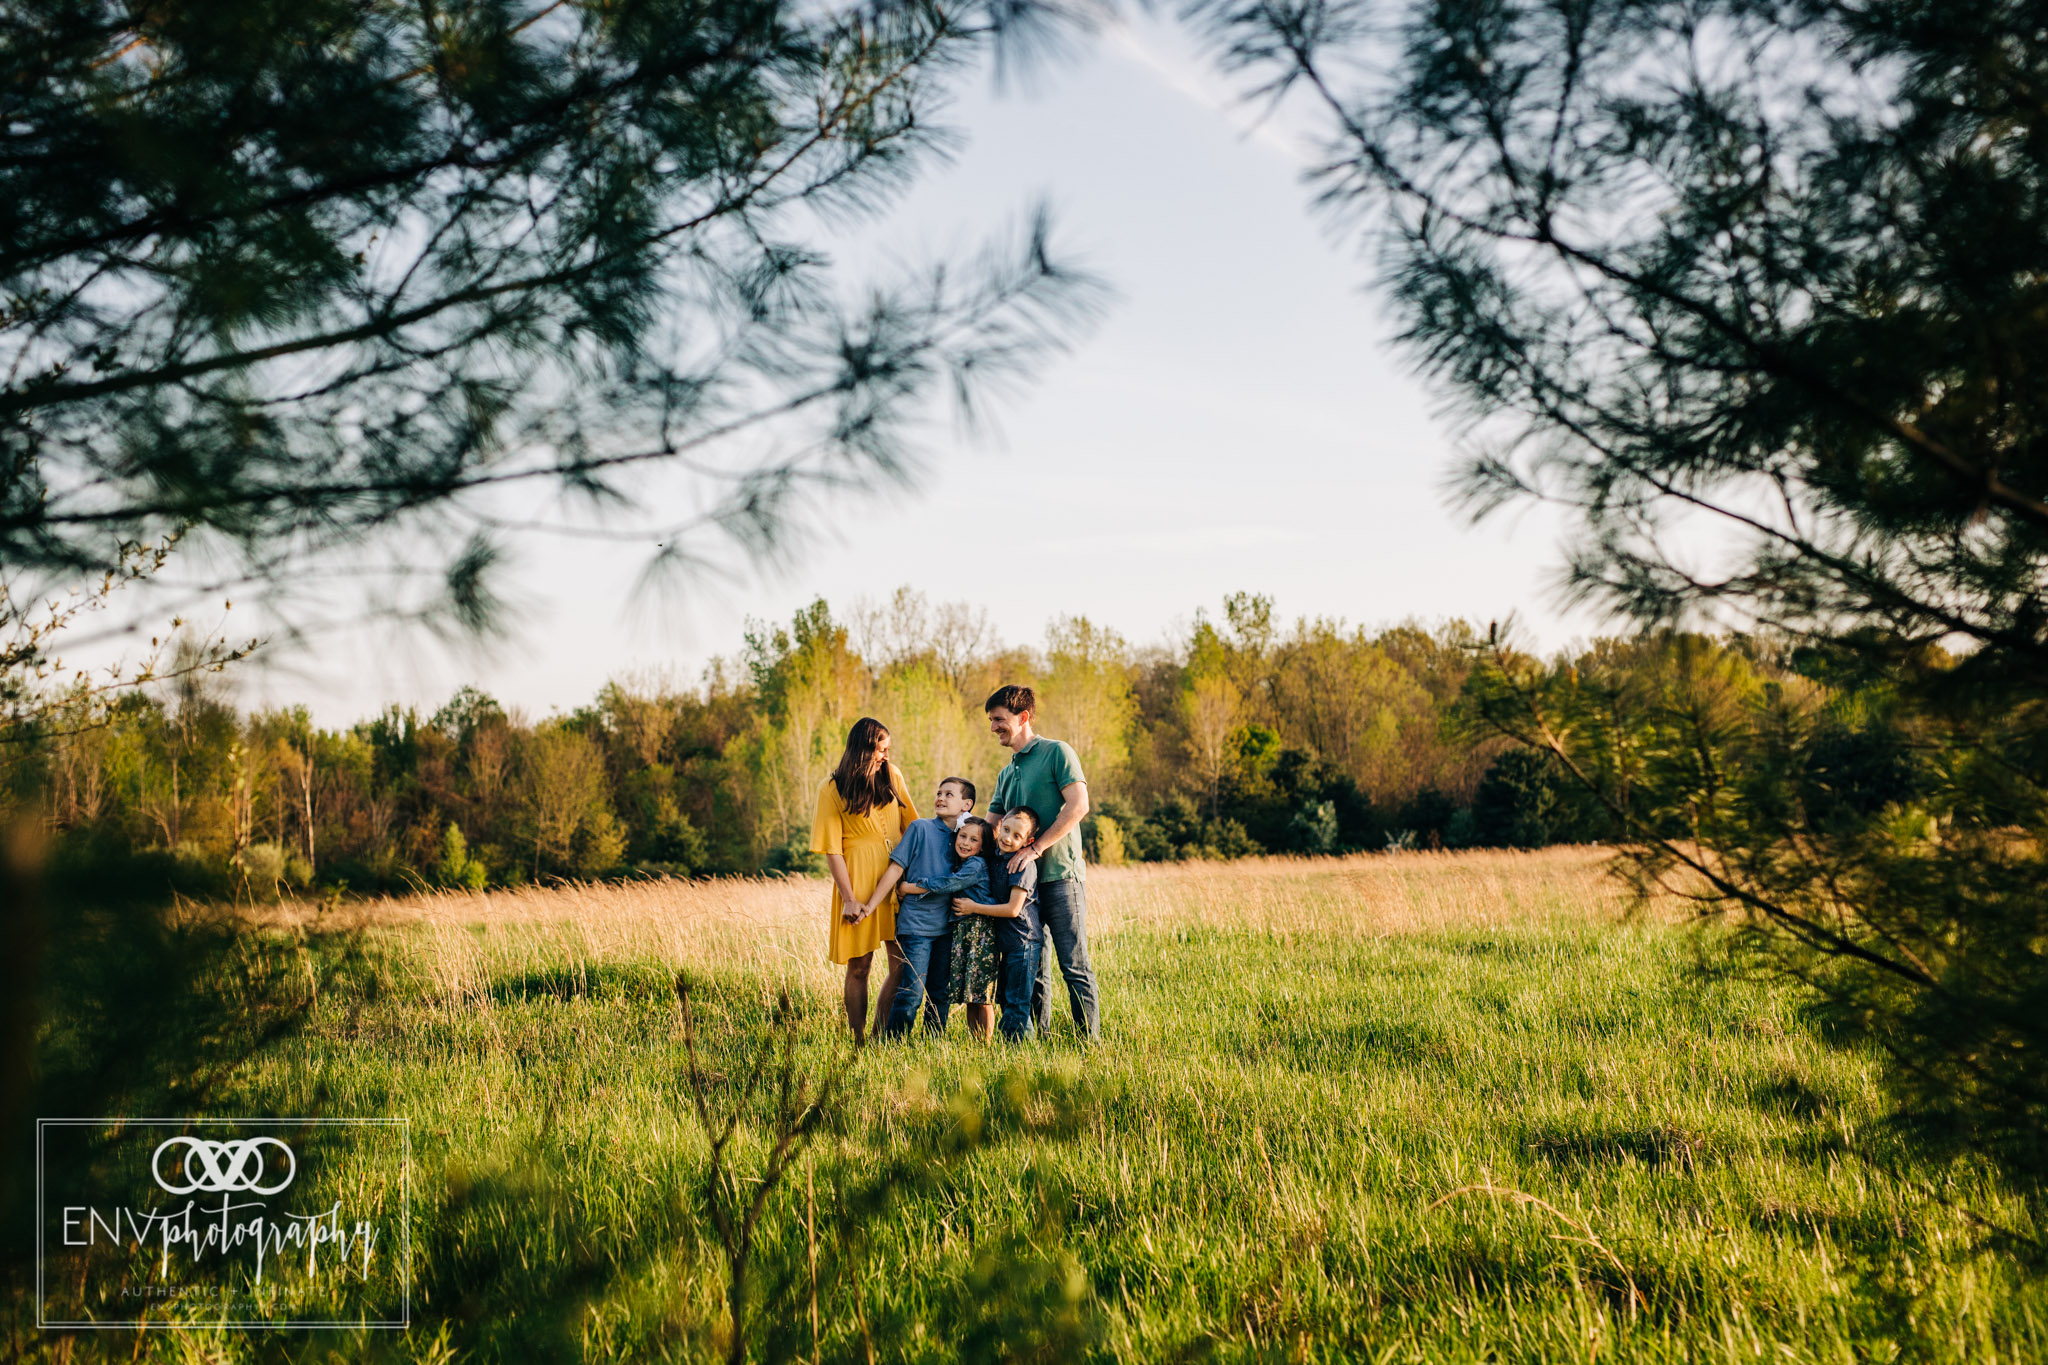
[(1248, 736)]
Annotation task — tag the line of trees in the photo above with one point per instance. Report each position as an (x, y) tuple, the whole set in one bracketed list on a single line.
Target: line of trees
[(1245, 736)]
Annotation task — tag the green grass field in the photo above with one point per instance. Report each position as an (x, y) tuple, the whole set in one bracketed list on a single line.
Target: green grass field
[(1303, 1064)]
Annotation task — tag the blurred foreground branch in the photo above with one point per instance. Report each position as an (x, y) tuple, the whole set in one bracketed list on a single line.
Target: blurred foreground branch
[(801, 1105)]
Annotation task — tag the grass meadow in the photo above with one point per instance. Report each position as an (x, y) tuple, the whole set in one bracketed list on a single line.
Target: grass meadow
[(1406, 1107)]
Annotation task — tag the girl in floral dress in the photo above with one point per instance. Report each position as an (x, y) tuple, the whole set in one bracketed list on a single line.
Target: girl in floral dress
[(977, 962)]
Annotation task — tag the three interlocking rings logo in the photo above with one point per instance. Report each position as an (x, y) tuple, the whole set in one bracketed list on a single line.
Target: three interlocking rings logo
[(224, 1167)]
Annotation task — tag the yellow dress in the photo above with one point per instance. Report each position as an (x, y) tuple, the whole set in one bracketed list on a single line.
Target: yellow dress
[(865, 841)]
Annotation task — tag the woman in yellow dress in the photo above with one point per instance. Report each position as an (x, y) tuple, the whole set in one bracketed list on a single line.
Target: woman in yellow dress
[(863, 809)]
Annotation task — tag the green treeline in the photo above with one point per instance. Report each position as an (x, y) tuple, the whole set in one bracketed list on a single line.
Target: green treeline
[(1246, 736)]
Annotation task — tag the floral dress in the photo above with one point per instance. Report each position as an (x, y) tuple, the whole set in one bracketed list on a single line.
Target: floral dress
[(977, 962)]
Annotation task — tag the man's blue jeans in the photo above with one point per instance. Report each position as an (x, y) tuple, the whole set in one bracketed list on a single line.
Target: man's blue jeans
[(1013, 992), (1063, 931), (927, 961)]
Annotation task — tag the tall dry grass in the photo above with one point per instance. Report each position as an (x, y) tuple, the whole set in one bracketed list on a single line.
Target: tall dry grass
[(1367, 894), (452, 945)]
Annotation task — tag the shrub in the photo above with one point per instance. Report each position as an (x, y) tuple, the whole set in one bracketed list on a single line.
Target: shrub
[(261, 867), (1527, 801), (1313, 828), (599, 845), (1104, 838), (457, 867)]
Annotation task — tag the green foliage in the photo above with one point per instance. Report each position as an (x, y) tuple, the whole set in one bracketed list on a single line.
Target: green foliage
[(262, 868), (721, 778), (1527, 800), (794, 858), (1773, 271), (663, 837), (1877, 852), (303, 273), (457, 869), (1085, 695), (807, 693), (1247, 1167), (118, 1003), (1103, 840), (565, 804), (1177, 828), (1291, 801), (600, 843), (1314, 829), (656, 780), (468, 711)]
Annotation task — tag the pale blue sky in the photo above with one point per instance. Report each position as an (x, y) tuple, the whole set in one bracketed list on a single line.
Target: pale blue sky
[(1236, 422)]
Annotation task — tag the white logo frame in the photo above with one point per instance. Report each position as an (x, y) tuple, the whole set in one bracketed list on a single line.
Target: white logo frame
[(400, 1323)]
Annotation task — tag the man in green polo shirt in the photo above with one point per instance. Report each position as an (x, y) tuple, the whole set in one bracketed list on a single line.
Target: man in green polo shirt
[(1044, 775)]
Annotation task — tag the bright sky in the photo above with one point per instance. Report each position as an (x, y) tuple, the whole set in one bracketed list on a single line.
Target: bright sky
[(1236, 422)]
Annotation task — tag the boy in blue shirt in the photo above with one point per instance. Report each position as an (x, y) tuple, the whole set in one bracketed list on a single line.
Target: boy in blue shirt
[(924, 931)]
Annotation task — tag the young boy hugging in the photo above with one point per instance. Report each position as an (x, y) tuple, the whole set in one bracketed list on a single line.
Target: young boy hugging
[(923, 862)]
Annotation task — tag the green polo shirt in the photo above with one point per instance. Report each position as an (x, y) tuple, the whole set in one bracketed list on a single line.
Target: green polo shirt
[(1033, 778)]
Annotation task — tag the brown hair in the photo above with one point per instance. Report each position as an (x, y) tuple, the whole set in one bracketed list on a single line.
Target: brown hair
[(988, 832), (862, 776), (1026, 813), (1012, 697), (966, 787)]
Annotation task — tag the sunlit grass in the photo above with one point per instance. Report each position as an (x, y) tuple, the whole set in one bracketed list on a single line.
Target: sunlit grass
[(456, 945), (1301, 1061)]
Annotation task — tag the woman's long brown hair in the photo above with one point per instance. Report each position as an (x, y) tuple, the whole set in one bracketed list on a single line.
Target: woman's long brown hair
[(862, 777)]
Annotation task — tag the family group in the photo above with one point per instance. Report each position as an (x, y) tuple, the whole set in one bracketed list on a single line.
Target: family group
[(969, 910)]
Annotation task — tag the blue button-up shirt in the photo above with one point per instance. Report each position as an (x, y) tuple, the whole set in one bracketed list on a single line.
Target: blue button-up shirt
[(925, 853)]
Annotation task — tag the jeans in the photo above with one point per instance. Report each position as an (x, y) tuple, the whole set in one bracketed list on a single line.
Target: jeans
[(927, 959), (1063, 930), (1020, 970)]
